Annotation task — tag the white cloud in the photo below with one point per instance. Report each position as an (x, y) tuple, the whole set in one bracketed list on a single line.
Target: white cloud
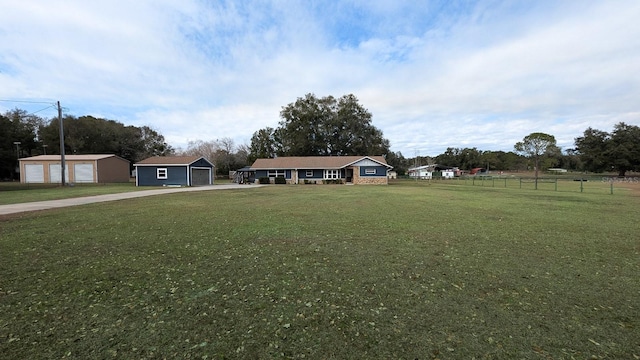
[(434, 76)]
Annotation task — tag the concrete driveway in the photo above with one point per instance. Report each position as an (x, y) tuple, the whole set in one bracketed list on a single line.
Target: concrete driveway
[(52, 204)]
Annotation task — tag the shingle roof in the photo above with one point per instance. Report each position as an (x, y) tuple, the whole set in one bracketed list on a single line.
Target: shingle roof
[(87, 157), (312, 162), (169, 160)]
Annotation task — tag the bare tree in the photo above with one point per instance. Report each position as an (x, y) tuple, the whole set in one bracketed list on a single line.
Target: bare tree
[(225, 154), (206, 149)]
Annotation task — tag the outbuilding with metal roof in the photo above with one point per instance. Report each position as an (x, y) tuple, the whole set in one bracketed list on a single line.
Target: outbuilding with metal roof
[(90, 168)]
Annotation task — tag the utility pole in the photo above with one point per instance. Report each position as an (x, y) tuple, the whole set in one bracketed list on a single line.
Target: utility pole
[(17, 144), (62, 161)]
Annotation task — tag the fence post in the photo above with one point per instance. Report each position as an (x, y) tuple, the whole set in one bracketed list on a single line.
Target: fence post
[(581, 187), (611, 187), (505, 182)]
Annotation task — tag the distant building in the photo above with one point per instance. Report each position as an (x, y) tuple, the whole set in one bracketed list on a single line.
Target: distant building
[(433, 171), (557, 170), (421, 172), (91, 168), (478, 171)]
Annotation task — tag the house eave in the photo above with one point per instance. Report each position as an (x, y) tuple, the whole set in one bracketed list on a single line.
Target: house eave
[(371, 159), (177, 164)]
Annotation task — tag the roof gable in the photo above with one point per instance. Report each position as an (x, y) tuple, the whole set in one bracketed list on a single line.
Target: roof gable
[(371, 161), (170, 160), (86, 157)]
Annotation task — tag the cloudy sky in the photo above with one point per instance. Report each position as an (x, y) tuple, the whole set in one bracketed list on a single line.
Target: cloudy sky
[(434, 74)]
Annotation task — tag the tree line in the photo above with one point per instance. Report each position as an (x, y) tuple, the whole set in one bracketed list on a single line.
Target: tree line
[(25, 135), (326, 126), (617, 151), (310, 126), (595, 151), (224, 153)]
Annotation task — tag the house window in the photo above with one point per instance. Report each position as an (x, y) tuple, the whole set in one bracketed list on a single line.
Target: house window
[(276, 173), (161, 173), (370, 171), (332, 174), (309, 173)]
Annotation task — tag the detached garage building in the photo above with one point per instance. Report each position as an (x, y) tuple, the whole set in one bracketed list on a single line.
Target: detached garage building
[(100, 168), (174, 171)]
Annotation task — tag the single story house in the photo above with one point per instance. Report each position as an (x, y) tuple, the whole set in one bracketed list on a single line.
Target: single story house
[(319, 169), (174, 171), (92, 168)]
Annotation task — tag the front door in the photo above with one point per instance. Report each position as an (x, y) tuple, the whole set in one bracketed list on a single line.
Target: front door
[(349, 175)]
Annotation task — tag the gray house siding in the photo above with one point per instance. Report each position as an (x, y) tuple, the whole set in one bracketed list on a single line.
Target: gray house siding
[(379, 171), (317, 174), (265, 173), (147, 175), (174, 170)]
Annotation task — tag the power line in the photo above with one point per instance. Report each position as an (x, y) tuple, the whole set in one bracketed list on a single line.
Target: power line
[(52, 103), (48, 107)]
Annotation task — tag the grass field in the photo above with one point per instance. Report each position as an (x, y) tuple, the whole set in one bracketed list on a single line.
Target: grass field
[(14, 193), (411, 270), (593, 183)]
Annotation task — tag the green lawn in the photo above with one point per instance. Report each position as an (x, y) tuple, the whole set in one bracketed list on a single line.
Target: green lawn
[(410, 270), (596, 184), (14, 193)]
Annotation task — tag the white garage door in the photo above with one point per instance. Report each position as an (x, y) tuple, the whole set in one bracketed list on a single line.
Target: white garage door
[(55, 175), (83, 173), (34, 173)]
